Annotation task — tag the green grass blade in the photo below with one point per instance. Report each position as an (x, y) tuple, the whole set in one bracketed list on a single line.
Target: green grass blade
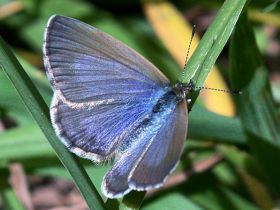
[(173, 200), (215, 127), (40, 112), (24, 142), (248, 170), (255, 106), (10, 200), (211, 44), (131, 201)]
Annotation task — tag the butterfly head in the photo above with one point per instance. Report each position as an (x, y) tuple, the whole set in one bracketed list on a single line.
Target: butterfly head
[(182, 90)]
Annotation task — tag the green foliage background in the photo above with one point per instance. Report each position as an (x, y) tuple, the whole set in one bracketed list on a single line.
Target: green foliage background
[(246, 177)]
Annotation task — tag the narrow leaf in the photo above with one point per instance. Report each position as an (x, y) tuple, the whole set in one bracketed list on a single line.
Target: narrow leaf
[(256, 107), (212, 43), (40, 112)]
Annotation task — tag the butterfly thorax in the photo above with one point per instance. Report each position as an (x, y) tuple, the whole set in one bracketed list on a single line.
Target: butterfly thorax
[(183, 89), (164, 101)]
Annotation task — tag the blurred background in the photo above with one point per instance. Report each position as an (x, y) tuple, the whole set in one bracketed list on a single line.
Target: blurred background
[(222, 165)]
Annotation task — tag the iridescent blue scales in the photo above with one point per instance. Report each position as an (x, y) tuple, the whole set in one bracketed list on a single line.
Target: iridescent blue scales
[(108, 102)]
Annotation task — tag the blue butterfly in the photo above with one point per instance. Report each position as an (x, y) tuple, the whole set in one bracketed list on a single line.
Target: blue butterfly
[(110, 102)]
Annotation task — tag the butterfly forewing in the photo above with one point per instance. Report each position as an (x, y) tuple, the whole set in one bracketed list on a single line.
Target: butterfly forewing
[(96, 132), (87, 66)]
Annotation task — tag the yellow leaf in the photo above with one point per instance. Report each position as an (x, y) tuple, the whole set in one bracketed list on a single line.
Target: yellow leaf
[(175, 33)]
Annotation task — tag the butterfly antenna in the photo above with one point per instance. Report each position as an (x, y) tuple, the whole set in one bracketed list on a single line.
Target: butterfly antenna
[(220, 90), (191, 86), (189, 46)]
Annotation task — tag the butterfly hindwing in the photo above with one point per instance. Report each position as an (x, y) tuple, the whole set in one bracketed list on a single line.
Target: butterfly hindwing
[(156, 149), (95, 132), (163, 153)]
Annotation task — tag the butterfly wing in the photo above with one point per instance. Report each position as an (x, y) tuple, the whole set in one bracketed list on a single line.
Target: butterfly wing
[(148, 162), (103, 89), (86, 66), (163, 153), (95, 133)]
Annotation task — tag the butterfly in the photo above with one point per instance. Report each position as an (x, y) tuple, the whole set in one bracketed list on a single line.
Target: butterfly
[(110, 102)]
